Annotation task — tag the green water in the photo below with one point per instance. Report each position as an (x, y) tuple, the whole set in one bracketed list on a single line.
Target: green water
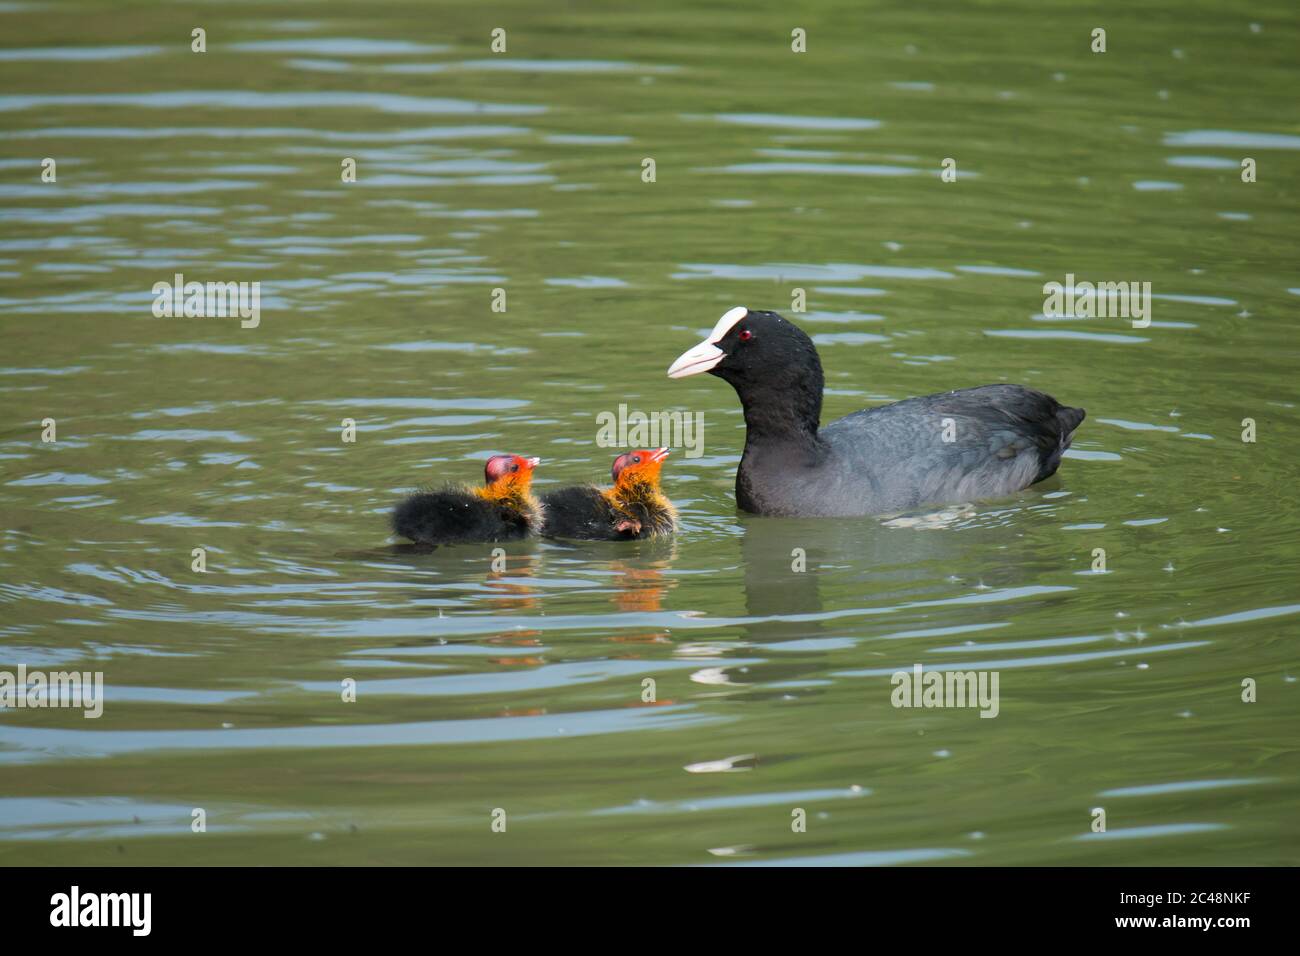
[(520, 689)]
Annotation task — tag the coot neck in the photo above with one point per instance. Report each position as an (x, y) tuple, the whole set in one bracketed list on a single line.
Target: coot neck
[(784, 413)]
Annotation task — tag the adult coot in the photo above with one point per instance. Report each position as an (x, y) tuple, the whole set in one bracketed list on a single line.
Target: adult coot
[(955, 446)]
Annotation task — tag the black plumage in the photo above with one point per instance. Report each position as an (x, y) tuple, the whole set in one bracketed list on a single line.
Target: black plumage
[(583, 511), (455, 515)]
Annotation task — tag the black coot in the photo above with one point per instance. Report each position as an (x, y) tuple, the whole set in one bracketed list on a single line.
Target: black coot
[(955, 446), (503, 509), (633, 508)]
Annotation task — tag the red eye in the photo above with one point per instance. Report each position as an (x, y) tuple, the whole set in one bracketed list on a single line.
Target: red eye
[(745, 335)]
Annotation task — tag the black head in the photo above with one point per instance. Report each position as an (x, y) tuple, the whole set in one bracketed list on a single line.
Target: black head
[(771, 363)]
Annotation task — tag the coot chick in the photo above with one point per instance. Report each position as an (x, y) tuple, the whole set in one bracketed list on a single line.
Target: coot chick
[(634, 508), (504, 509), (952, 447)]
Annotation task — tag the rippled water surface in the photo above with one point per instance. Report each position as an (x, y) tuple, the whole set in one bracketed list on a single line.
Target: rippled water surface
[(521, 688)]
